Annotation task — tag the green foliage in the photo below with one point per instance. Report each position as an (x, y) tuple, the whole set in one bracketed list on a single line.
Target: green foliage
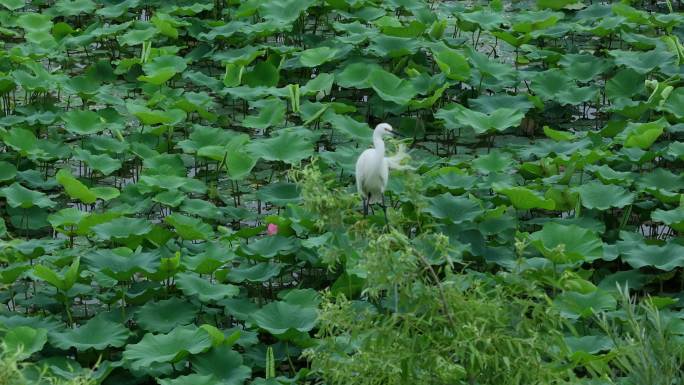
[(177, 188)]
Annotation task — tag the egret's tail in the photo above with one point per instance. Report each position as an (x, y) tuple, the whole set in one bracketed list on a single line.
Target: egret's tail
[(395, 161)]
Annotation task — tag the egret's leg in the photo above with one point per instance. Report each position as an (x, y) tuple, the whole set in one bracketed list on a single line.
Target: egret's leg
[(369, 204), (365, 207), (384, 209)]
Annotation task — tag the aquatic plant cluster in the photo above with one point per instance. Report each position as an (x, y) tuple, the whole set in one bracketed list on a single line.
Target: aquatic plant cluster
[(177, 197)]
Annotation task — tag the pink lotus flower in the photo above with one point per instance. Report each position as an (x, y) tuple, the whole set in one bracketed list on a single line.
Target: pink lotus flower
[(272, 229)]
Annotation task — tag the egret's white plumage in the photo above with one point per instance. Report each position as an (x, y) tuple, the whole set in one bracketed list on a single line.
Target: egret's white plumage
[(372, 168)]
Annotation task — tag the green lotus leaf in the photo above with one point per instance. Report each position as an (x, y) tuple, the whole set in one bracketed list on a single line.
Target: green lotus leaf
[(283, 12), (189, 228), (484, 18), (453, 64), (350, 127), (641, 62), (238, 161), (639, 254), (193, 285), (280, 193), (122, 228), (98, 333), (83, 122), (526, 199), (20, 139), (589, 344), (66, 217), (224, 364), (453, 178), (356, 75), (642, 135), (152, 117), (559, 136), (567, 243), (271, 113), (674, 103), (290, 147), (314, 57), (455, 209), (259, 272), (528, 21), (499, 120), (321, 83), (164, 315), (19, 196), (122, 263), (105, 193), (673, 218), (202, 136), (264, 74), (99, 162), (575, 305), (200, 208), (170, 347), (190, 379), (12, 272), (64, 282), (270, 246), (34, 22), (7, 171), (495, 161), (662, 183), (117, 10), (13, 5), (596, 195), (24, 341), (391, 88), (170, 182), (584, 67), (279, 317), (625, 84), (73, 7), (162, 68), (74, 188), (301, 297), (243, 56), (171, 198), (391, 46)]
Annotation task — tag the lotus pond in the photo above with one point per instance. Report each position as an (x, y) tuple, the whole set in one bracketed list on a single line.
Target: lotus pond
[(177, 198)]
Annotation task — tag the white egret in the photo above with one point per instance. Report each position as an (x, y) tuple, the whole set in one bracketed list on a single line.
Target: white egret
[(372, 169)]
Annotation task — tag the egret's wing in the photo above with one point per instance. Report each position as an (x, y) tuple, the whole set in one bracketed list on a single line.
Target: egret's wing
[(394, 161), (361, 171)]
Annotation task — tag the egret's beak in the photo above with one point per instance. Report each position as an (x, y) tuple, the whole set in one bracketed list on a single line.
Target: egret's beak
[(398, 135)]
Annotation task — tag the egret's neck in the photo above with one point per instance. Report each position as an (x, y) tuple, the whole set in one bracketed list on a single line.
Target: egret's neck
[(378, 143)]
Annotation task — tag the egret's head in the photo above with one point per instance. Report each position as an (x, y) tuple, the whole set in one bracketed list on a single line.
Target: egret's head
[(384, 128)]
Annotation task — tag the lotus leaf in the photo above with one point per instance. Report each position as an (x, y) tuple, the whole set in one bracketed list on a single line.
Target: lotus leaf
[(169, 347), (222, 363), (24, 340), (193, 285), (280, 317), (498, 120), (567, 243), (188, 227), (97, 333), (19, 196), (163, 316), (599, 196), (289, 147), (455, 209), (526, 199), (575, 305)]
